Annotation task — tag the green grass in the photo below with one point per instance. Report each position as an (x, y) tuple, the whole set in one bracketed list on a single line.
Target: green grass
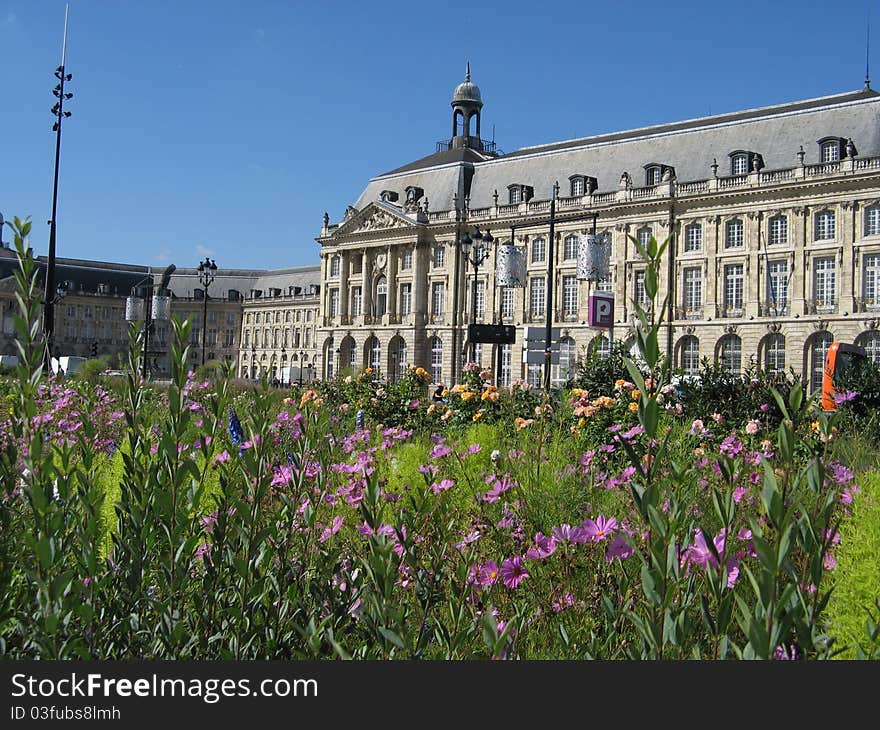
[(857, 576)]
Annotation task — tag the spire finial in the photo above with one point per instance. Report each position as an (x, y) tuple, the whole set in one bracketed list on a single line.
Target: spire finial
[(868, 51), (467, 73)]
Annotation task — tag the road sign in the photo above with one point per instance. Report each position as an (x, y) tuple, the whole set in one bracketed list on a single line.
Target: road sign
[(601, 309), (503, 334), (536, 357), (538, 346), (539, 334)]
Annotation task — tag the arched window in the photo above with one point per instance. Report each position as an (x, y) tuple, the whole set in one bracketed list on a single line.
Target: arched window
[(436, 360), (397, 358), (774, 353), (381, 295), (739, 164), (600, 347), (818, 349), (567, 359), (730, 353), (506, 365), (871, 342), (689, 354), (329, 357), (374, 353)]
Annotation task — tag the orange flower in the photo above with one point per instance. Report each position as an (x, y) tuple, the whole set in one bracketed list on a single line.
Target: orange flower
[(477, 416), (633, 407)]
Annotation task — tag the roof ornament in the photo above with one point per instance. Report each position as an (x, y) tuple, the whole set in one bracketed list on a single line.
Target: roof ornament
[(467, 72), (800, 156), (714, 167)]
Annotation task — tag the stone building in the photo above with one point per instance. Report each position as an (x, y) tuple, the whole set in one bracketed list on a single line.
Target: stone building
[(90, 314), (773, 213)]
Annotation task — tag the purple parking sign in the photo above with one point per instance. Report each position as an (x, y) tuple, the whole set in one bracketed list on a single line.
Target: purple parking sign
[(601, 309)]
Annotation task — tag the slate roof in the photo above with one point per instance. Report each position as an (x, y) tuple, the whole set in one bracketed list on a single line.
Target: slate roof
[(775, 132)]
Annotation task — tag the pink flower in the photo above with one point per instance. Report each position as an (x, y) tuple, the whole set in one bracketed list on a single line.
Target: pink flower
[(513, 572), (752, 427), (485, 574), (222, 457), (332, 530), (567, 533)]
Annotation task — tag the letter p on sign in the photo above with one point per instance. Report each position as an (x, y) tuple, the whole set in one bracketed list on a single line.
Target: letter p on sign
[(601, 310)]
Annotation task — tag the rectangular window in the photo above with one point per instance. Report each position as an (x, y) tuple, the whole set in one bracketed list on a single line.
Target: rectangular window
[(481, 300), (357, 262), (606, 284), (539, 250), (872, 221), (438, 296), (405, 298), (733, 231), (824, 283), (537, 293), (439, 257), (644, 235), (693, 290), (871, 280), (508, 296), (640, 295), (357, 300), (831, 151), (212, 337), (334, 302), (733, 289), (515, 195), (229, 338), (406, 260), (739, 165), (577, 187), (824, 228), (570, 248), (335, 265), (569, 296), (778, 233), (693, 237), (777, 286)]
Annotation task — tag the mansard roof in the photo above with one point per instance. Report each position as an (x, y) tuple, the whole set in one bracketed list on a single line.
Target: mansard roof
[(689, 146)]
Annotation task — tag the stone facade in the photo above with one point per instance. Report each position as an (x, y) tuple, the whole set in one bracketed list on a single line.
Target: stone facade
[(772, 255)]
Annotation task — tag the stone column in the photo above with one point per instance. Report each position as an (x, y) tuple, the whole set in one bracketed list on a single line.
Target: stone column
[(343, 285), (848, 260), (420, 285), (798, 290), (366, 280), (391, 276)]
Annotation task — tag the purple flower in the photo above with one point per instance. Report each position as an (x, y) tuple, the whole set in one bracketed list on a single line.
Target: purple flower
[(444, 485), (618, 548), (544, 547), (567, 533), (485, 574), (440, 450), (599, 529), (513, 572), (841, 398)]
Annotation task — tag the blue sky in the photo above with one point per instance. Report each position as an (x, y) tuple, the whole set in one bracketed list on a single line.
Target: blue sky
[(227, 128)]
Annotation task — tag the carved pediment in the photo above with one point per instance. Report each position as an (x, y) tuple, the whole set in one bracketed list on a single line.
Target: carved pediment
[(375, 217)]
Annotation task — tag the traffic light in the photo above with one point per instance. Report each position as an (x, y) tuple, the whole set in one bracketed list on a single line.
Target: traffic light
[(94, 349)]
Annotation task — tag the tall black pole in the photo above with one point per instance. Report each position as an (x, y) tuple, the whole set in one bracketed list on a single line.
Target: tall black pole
[(476, 264), (58, 109), (548, 305), (148, 323), (205, 321)]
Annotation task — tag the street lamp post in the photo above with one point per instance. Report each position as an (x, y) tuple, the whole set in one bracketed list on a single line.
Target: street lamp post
[(253, 362), (475, 247), (302, 356), (284, 367), (207, 272), (311, 377), (148, 304), (59, 114)]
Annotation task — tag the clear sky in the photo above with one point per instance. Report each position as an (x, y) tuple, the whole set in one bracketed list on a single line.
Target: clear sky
[(221, 128)]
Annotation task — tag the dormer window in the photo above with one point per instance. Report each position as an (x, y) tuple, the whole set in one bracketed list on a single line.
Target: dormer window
[(388, 196), (582, 185), (655, 173), (832, 149), (519, 193), (742, 162)]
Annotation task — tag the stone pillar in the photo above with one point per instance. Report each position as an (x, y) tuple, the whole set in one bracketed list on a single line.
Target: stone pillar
[(391, 277), (847, 262), (419, 302), (799, 282), (712, 292), (343, 285), (366, 282), (753, 284)]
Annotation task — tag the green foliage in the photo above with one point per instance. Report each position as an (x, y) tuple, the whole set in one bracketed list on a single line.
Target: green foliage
[(91, 370), (857, 576)]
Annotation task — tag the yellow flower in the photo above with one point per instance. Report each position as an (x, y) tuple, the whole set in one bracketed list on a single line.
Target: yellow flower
[(633, 407), (368, 371), (814, 425), (619, 382), (477, 416), (467, 395), (522, 423), (578, 392), (635, 395), (422, 373)]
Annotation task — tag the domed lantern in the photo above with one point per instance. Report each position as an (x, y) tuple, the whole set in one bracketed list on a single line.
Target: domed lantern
[(162, 305)]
